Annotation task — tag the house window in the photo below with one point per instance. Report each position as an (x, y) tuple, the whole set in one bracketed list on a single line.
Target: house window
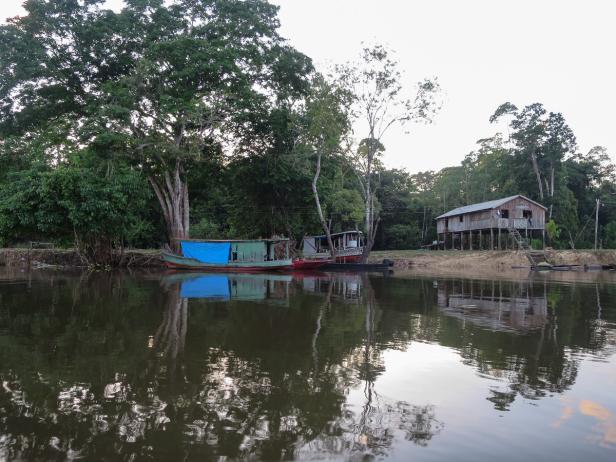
[(446, 222), (527, 214), (461, 218), (504, 213)]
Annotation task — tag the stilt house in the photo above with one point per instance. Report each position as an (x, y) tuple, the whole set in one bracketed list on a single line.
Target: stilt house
[(497, 224)]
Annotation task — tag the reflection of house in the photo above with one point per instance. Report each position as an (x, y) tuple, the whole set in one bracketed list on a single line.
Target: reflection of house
[(489, 304), (480, 225)]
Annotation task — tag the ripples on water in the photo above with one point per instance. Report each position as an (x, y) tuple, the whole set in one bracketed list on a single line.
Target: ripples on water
[(305, 366)]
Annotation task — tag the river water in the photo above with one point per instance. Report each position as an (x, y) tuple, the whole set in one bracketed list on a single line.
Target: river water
[(315, 366)]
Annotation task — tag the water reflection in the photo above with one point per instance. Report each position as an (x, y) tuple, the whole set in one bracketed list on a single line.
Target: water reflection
[(239, 286), (201, 366), (496, 305)]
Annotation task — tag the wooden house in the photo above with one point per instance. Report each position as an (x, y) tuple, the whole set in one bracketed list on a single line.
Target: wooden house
[(493, 224)]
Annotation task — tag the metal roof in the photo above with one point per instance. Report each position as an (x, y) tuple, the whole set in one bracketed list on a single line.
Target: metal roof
[(488, 205)]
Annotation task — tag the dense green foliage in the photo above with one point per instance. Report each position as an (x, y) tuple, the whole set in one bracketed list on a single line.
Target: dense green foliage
[(109, 119)]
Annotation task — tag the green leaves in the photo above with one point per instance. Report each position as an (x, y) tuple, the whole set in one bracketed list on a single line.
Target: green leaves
[(67, 201)]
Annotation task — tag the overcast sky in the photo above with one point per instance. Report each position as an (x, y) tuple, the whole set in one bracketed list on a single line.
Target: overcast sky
[(484, 52)]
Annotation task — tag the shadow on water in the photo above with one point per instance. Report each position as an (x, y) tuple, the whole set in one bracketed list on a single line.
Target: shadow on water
[(258, 366)]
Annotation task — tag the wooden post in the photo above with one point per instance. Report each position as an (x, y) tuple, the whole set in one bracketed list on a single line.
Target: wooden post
[(499, 239), (470, 240), (596, 221), (453, 239), (491, 238), (543, 239)]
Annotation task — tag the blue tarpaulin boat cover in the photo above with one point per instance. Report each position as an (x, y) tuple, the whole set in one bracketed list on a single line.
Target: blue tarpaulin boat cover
[(207, 252), (211, 286)]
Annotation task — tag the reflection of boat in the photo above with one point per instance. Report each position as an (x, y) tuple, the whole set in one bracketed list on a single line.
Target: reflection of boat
[(346, 286), (235, 255), (235, 286), (385, 266), (348, 247)]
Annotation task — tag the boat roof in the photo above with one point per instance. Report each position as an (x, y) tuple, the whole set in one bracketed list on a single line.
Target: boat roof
[(488, 205), (335, 234)]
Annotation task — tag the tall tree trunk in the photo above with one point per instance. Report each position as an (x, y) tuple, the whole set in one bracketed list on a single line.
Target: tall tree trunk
[(369, 206), (370, 239), (533, 157), (551, 191), (315, 192), (172, 194)]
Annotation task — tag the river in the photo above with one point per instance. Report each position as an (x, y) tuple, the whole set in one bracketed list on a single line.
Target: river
[(314, 366)]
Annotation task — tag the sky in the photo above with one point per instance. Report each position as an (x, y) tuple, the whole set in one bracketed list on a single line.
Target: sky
[(483, 52)]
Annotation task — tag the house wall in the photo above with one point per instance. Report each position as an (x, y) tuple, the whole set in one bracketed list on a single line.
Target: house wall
[(518, 205), (486, 219)]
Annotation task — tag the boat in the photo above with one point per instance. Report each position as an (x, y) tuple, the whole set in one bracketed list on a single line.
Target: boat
[(348, 247), (230, 255)]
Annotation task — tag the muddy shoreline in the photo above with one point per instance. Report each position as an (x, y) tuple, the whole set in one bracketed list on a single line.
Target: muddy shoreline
[(69, 258)]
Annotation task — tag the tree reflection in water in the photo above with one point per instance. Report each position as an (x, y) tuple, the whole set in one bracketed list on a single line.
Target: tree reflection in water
[(105, 368)]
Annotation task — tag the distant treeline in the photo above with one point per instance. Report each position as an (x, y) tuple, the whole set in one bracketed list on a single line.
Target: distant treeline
[(197, 119)]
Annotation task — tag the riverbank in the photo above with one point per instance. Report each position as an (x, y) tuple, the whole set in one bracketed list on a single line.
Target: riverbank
[(464, 260), (443, 261), (18, 257)]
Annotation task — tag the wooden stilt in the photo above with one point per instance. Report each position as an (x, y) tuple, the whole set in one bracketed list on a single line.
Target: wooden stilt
[(543, 238), (499, 239), (491, 238), (470, 240)]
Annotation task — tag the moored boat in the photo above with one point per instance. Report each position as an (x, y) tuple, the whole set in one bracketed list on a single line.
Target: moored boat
[(230, 255), (348, 247)]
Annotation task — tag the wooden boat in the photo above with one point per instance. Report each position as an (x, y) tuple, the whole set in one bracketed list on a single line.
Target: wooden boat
[(230, 255), (348, 247)]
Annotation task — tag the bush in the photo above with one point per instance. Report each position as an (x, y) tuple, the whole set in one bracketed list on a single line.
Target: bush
[(99, 213)]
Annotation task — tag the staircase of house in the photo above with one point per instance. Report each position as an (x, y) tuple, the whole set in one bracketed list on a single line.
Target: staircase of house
[(535, 257), (517, 237)]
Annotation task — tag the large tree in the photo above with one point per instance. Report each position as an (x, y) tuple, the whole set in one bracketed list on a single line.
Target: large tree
[(166, 83), (543, 138), (326, 126), (382, 102)]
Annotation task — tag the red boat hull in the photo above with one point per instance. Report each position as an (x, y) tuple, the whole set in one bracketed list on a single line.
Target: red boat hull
[(349, 259), (302, 264)]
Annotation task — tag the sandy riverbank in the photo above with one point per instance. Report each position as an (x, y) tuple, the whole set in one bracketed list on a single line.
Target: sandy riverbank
[(486, 262)]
